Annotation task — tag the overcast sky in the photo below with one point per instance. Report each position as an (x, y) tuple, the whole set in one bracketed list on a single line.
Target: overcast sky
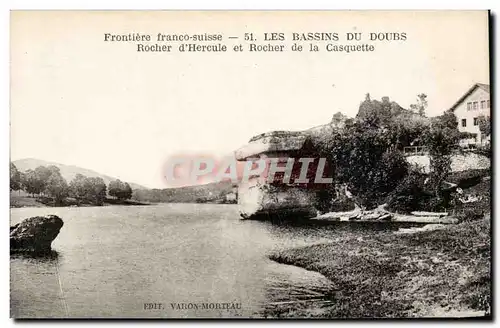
[(78, 100)]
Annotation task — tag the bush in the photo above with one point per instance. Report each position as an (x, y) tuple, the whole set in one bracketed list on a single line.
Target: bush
[(364, 161), (324, 200), (484, 150), (433, 204), (408, 195), (468, 178), (343, 205), (414, 195), (469, 214), (441, 140)]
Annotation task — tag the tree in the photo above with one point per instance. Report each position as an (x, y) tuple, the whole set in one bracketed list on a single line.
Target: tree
[(368, 164), (95, 190), (15, 177), (484, 126), (43, 174), (363, 159), (77, 186), (365, 155), (441, 139), (32, 183), (115, 187), (338, 120), (126, 192), (57, 187), (89, 189), (407, 129), (421, 105), (120, 190), (375, 113)]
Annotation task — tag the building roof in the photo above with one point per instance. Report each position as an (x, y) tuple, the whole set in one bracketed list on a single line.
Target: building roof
[(485, 87)]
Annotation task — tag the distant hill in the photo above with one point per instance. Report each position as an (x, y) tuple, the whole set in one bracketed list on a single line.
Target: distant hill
[(67, 171), (216, 192)]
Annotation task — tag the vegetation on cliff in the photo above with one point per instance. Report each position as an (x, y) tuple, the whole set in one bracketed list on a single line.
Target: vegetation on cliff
[(443, 272), (367, 155)]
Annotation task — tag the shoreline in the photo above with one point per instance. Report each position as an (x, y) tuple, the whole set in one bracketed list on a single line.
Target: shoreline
[(108, 205), (75, 206), (21, 201), (442, 272)]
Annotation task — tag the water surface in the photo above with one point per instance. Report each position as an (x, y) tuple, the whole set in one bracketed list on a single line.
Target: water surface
[(109, 261)]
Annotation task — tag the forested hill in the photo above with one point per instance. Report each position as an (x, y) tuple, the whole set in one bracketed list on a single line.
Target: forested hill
[(68, 172), (223, 192), (220, 192)]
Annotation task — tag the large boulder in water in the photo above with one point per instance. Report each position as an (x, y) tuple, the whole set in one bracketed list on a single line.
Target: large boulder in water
[(35, 234)]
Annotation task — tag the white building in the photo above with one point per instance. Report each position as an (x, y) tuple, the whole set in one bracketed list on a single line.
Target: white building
[(473, 104)]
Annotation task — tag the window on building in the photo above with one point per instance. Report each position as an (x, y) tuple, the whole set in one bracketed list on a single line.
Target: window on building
[(464, 122), (487, 104), (469, 106), (476, 121), (474, 105), (483, 104)]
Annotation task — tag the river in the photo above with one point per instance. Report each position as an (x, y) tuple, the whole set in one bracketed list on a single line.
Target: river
[(197, 260)]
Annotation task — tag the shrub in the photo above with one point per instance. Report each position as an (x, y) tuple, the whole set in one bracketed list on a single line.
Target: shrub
[(430, 203), (364, 161), (469, 214), (484, 150), (468, 178), (323, 200), (408, 195), (342, 205), (441, 140)]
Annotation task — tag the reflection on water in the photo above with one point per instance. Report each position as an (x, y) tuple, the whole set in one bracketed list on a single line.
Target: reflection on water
[(109, 261), (36, 285), (49, 257)]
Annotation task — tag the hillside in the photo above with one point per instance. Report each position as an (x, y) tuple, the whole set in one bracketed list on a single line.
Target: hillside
[(67, 171), (220, 192)]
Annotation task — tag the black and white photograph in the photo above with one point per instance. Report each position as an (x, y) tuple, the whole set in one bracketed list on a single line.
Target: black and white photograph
[(250, 164)]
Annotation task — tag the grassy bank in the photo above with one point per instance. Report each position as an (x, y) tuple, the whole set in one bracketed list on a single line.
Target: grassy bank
[(443, 272), (18, 200), (21, 200)]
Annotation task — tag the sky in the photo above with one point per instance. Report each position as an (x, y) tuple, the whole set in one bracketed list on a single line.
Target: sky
[(78, 100)]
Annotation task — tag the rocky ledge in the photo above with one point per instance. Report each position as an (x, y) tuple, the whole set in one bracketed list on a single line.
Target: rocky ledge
[(35, 234)]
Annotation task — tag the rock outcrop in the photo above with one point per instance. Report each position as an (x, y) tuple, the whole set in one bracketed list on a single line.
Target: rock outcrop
[(257, 196), (35, 234)]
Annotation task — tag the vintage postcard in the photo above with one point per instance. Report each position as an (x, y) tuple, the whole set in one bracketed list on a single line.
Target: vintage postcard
[(250, 164)]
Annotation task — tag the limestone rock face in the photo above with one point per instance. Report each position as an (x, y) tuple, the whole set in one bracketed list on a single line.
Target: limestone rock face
[(257, 198), (35, 234)]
